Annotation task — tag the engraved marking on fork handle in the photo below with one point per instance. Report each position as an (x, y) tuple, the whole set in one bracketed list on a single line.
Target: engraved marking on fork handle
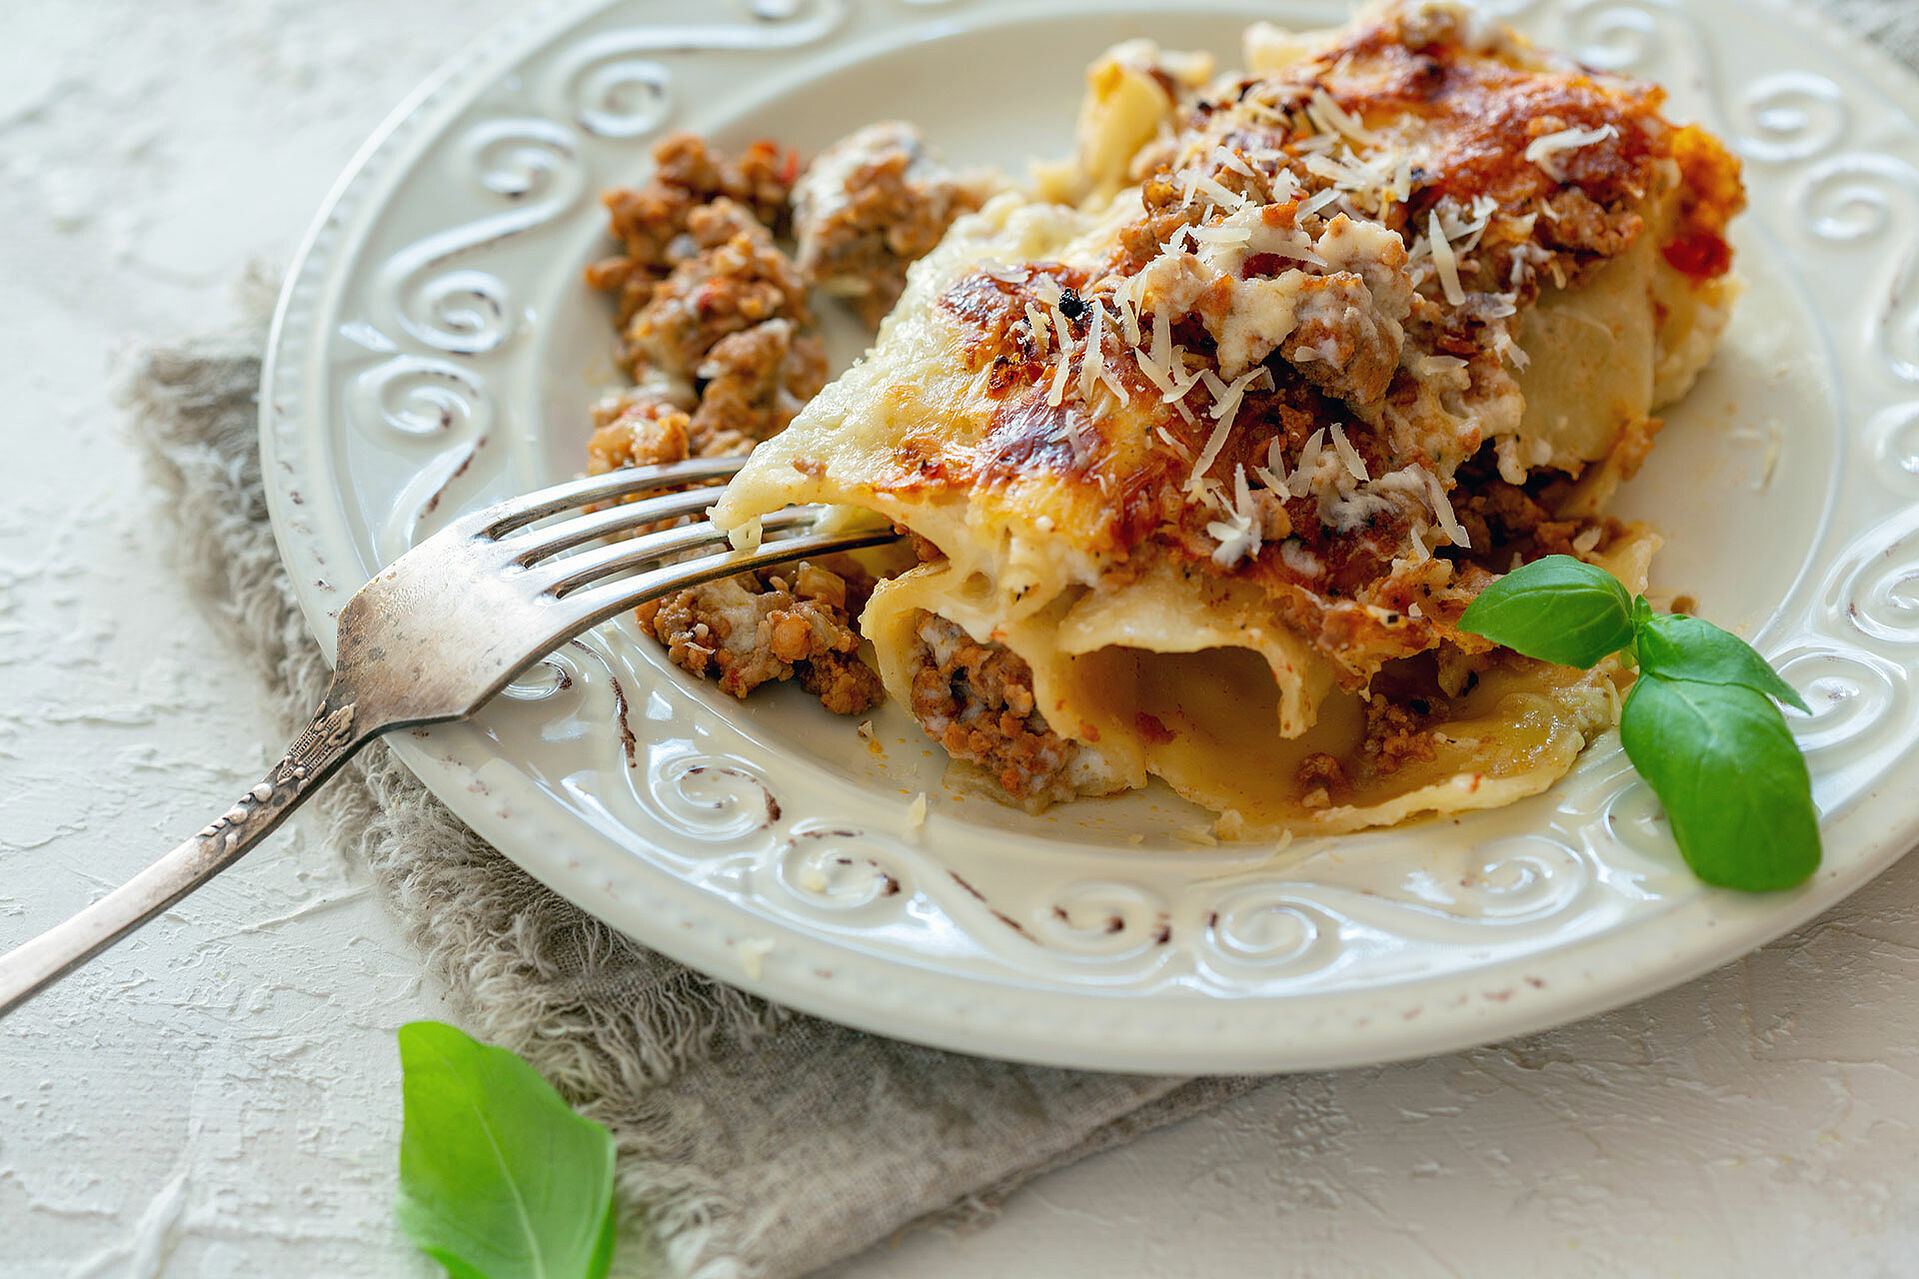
[(329, 739), (324, 737)]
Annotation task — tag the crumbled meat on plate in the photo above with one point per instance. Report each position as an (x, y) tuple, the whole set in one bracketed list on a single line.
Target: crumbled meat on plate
[(871, 204), (635, 430), (651, 222), (742, 281), (755, 382), (719, 339), (778, 624)]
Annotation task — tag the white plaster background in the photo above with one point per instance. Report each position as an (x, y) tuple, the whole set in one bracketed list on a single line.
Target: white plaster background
[(220, 1097)]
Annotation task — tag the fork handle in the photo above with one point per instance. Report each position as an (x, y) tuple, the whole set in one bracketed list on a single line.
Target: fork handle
[(329, 741)]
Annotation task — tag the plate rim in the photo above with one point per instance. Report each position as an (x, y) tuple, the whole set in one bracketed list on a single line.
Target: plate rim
[(1732, 926)]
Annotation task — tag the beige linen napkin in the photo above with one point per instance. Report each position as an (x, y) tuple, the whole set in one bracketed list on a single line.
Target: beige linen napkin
[(755, 1142)]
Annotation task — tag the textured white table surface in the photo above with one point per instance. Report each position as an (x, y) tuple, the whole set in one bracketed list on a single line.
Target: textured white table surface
[(221, 1096)]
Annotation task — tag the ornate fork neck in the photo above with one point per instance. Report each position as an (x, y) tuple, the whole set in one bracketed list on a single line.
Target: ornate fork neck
[(431, 638)]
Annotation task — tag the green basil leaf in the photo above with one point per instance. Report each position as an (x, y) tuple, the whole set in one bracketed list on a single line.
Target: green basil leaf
[(1675, 646), (1732, 780), (499, 1179), (1557, 609)]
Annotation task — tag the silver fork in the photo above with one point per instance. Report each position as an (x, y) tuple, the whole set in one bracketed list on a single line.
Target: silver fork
[(433, 636)]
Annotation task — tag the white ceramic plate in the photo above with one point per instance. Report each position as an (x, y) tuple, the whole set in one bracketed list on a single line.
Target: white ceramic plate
[(435, 351)]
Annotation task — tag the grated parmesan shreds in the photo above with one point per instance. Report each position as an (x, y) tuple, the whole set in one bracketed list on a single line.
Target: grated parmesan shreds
[(1314, 203), (1223, 196), (1230, 159), (1128, 313), (1062, 367), (1445, 261), (1301, 484), (1076, 442), (1355, 464), (1047, 290), (1403, 179), (1214, 443), (1092, 364), (1226, 401), (1443, 510), (1109, 375), (1276, 460), (1541, 150), (1158, 366), (1420, 553), (1042, 334), (1155, 374), (1190, 188), (1509, 349), (1223, 233), (1484, 206), (1338, 119), (1163, 343), (1212, 496), (1172, 442), (1227, 396), (1182, 382), (916, 812), (1325, 166), (1001, 272), (1238, 534)]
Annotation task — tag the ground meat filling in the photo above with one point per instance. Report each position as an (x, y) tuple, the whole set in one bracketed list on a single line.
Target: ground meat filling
[(778, 624), (870, 205), (1402, 716), (719, 338), (651, 222), (976, 700), (713, 313), (740, 282)]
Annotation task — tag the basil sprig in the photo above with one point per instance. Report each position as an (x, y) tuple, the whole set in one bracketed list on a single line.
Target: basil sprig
[(499, 1179), (1700, 723)]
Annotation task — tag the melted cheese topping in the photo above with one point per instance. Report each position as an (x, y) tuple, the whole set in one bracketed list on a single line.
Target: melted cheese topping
[(1226, 409)]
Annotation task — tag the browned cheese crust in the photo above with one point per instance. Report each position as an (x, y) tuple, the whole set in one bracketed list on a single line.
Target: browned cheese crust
[(1339, 570)]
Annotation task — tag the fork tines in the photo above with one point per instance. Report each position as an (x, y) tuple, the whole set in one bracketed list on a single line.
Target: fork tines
[(562, 563), (592, 490)]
